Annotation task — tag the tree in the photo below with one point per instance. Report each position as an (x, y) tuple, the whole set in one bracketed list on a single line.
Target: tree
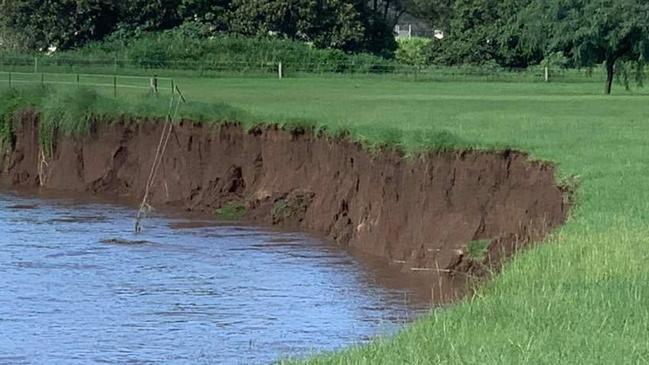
[(593, 32), (213, 13), (488, 31), (63, 23), (348, 25), (148, 15), (39, 24)]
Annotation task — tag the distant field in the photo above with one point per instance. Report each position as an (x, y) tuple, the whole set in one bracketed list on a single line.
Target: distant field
[(582, 298)]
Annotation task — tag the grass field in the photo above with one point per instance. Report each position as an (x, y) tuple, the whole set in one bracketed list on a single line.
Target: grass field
[(583, 298)]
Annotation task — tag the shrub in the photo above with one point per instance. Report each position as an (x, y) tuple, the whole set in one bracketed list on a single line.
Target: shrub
[(414, 51), (231, 211)]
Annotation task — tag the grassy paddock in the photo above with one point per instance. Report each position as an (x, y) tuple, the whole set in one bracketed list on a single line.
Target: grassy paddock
[(582, 298)]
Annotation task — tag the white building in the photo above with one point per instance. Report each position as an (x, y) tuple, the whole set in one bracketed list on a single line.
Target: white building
[(410, 26)]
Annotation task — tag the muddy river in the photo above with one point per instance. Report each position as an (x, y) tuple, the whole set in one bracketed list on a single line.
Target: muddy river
[(78, 287)]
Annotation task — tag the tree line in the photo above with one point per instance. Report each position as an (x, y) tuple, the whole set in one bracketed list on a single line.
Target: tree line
[(498, 33), (348, 25)]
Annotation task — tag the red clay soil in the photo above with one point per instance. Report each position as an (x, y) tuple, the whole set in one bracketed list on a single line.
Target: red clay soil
[(421, 212)]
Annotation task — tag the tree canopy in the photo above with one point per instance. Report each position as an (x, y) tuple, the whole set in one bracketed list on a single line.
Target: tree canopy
[(38, 24), (519, 33), (593, 32), (349, 25)]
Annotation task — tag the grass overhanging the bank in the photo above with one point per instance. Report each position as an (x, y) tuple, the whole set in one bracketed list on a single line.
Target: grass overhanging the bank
[(71, 111), (580, 298)]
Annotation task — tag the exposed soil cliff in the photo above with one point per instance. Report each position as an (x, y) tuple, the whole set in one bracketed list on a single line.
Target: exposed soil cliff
[(422, 212)]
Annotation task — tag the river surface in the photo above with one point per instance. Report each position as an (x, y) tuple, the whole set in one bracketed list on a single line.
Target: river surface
[(77, 287)]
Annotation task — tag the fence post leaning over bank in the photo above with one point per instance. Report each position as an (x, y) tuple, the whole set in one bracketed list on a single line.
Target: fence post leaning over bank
[(167, 129)]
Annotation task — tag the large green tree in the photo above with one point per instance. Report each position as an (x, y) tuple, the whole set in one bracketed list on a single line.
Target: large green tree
[(488, 31), (149, 15), (592, 32), (349, 25), (213, 13), (39, 24)]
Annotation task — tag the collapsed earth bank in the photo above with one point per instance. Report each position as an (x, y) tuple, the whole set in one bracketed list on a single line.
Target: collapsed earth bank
[(423, 212)]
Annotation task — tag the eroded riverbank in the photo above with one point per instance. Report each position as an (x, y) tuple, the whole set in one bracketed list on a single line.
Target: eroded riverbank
[(423, 213)]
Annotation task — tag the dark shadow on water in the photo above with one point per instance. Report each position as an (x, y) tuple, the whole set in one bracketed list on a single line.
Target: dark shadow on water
[(125, 242), (23, 207), (80, 219)]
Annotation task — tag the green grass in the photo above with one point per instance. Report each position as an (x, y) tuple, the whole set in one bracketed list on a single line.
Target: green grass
[(279, 211), (477, 249), (583, 297), (231, 211)]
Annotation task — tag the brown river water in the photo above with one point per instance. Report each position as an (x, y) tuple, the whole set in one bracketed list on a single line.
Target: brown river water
[(78, 287)]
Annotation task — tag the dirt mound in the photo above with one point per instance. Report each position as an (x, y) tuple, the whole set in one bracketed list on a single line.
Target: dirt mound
[(424, 212)]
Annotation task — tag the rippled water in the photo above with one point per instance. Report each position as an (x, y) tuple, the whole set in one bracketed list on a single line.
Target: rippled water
[(76, 287)]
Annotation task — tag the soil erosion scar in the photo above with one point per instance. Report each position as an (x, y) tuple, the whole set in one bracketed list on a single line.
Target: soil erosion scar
[(425, 212)]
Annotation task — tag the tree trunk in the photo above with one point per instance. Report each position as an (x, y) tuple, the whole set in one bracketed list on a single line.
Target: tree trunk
[(386, 10), (610, 70)]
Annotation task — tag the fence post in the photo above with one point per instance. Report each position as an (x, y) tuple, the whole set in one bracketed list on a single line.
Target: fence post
[(173, 92), (280, 71), (78, 81), (42, 80), (9, 79), (35, 64), (547, 74), (115, 86)]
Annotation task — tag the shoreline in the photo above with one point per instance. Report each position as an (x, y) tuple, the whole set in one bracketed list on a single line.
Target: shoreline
[(422, 213)]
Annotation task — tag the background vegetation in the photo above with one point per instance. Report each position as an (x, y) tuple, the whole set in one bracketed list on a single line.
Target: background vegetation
[(486, 33), (349, 25)]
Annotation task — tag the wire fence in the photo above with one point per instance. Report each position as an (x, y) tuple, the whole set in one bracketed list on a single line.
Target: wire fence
[(110, 83), (61, 64)]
